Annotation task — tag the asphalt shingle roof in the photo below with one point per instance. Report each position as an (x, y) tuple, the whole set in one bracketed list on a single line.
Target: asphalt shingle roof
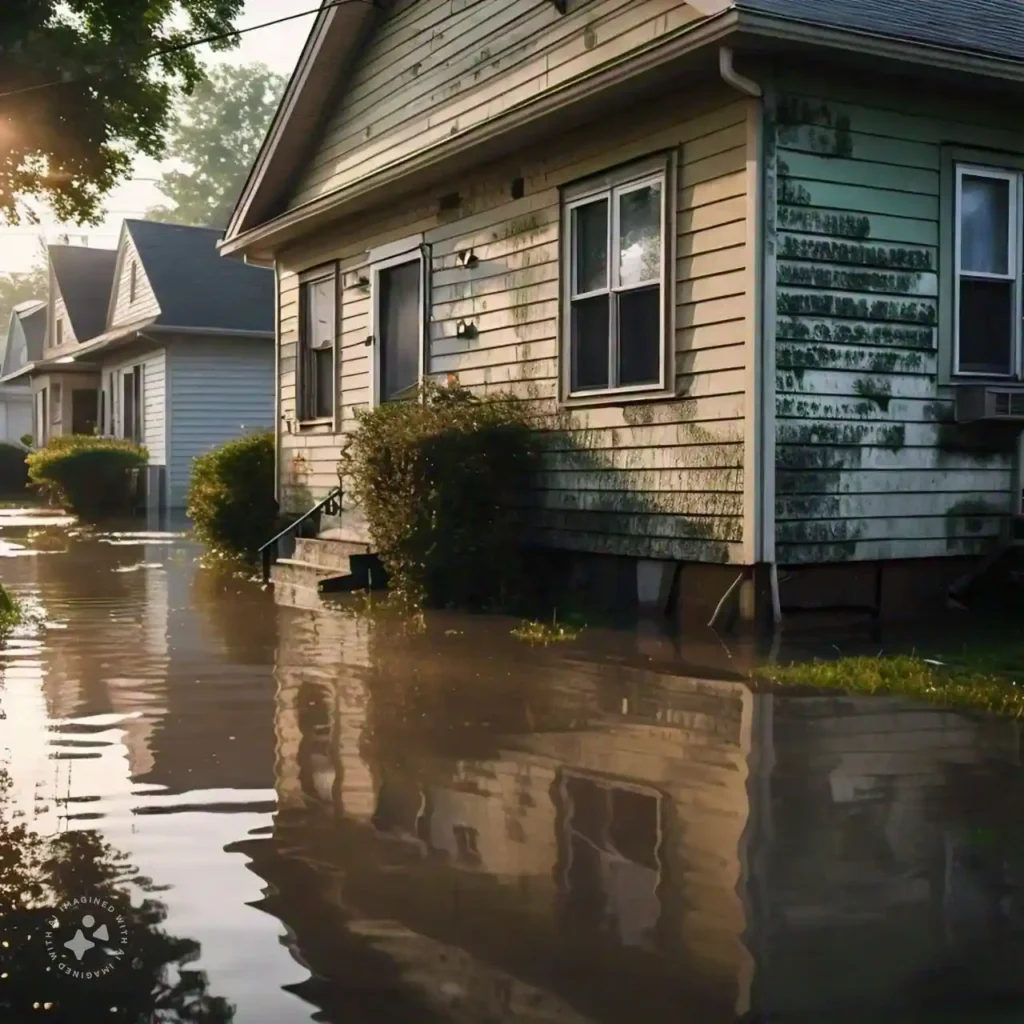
[(991, 27), (198, 288), (33, 323), (85, 277)]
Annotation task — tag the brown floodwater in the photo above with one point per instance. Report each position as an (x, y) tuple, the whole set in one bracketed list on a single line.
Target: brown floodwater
[(217, 809)]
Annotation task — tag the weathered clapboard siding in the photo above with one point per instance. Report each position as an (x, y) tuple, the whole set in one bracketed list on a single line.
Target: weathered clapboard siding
[(154, 400), (123, 309), (218, 390), (436, 69), (869, 463), (650, 478)]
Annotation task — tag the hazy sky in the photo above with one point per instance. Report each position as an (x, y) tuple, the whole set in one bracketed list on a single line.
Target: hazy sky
[(277, 46)]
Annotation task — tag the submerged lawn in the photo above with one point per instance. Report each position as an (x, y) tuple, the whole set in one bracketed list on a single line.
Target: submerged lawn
[(989, 679)]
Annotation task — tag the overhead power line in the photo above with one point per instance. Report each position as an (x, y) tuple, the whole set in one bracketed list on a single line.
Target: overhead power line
[(164, 51)]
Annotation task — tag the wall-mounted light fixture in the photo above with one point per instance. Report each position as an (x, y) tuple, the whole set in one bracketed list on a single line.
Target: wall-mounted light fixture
[(356, 279), (467, 258), (465, 329)]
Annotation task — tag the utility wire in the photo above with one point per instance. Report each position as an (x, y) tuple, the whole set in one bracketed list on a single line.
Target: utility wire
[(198, 42)]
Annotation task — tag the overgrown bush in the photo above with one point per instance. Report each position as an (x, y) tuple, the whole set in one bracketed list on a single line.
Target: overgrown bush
[(439, 479), (231, 495), (88, 475), (13, 471), (10, 613)]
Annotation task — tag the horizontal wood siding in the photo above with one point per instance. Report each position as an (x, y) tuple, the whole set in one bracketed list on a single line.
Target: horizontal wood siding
[(145, 305), (219, 390), (438, 68), (869, 462), (659, 479)]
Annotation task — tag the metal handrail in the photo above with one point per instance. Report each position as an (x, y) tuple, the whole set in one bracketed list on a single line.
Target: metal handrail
[(332, 502)]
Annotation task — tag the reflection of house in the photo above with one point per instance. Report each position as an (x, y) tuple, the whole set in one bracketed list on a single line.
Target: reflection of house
[(22, 345), (678, 843), (159, 341)]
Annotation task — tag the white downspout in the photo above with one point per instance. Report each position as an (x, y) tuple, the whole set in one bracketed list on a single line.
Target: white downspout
[(764, 544)]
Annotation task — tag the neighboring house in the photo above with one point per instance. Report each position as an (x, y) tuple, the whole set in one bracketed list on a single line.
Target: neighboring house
[(160, 341), (22, 345), (754, 259)]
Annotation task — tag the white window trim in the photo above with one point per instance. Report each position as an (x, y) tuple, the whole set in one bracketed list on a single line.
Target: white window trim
[(612, 184), (409, 255), (324, 272), (1015, 241)]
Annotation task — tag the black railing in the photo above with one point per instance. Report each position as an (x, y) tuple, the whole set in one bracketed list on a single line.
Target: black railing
[(331, 505)]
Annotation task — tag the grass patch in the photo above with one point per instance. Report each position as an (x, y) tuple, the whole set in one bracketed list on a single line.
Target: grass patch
[(984, 681), (535, 632)]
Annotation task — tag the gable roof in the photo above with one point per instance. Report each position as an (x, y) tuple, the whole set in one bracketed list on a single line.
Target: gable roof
[(84, 276), (197, 288), (33, 323), (991, 30), (989, 27)]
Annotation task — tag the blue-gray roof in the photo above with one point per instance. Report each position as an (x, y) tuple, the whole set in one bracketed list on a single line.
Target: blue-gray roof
[(195, 286), (991, 27), (85, 277)]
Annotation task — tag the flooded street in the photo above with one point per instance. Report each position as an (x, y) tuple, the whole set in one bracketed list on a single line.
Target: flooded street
[(303, 816)]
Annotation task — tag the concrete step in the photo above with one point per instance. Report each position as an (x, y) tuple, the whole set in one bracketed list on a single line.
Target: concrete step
[(331, 554), (292, 596), (295, 572)]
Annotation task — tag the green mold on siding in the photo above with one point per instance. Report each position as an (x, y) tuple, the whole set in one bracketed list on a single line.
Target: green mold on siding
[(825, 357), (804, 304), (800, 275), (827, 250), (839, 225), (877, 391), (841, 333), (971, 518)]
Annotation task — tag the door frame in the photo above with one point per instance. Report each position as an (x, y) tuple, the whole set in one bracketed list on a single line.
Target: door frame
[(420, 255)]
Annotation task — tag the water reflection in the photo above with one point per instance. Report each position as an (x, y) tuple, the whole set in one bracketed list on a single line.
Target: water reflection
[(353, 821)]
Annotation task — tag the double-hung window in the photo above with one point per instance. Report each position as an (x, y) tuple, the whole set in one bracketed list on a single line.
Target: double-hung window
[(988, 230), (318, 322), (615, 252)]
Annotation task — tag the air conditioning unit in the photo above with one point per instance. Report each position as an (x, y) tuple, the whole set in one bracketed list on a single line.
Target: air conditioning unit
[(978, 402)]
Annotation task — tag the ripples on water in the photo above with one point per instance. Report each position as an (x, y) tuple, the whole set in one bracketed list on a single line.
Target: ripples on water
[(312, 817)]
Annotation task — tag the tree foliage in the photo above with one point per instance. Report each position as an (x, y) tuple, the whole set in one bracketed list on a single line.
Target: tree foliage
[(18, 288), (85, 85), (215, 135)]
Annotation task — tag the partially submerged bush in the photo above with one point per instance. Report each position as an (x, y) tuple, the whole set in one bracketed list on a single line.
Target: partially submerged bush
[(231, 494), (87, 474), (10, 613), (439, 479), (13, 470)]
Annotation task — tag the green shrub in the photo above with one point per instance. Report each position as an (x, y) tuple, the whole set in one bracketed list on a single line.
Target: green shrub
[(10, 613), (27, 440), (438, 479), (13, 470), (86, 474), (231, 495)]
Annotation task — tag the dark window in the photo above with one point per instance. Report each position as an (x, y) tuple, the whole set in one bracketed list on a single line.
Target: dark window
[(401, 323), (84, 411), (617, 275), (318, 326), (133, 272), (987, 329), (131, 404), (59, 333)]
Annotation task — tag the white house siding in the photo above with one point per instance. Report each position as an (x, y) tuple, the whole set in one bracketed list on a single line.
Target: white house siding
[(656, 479), (154, 400), (15, 413), (218, 389), (438, 68), (869, 464), (123, 310)]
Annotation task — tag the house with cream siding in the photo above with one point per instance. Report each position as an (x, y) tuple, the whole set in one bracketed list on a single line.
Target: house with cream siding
[(756, 265), (160, 341)]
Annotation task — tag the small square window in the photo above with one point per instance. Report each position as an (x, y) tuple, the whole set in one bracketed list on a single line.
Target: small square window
[(616, 274)]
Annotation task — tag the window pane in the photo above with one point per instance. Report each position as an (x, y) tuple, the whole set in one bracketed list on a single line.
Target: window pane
[(323, 375), (986, 326), (984, 225), (590, 343), (590, 246), (640, 336), (320, 313), (640, 235), (400, 322)]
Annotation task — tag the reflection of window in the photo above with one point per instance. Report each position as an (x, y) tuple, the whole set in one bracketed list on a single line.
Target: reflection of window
[(612, 868), (988, 272), (614, 273)]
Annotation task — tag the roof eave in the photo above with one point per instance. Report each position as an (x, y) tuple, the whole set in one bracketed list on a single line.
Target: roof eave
[(791, 30), (258, 241)]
